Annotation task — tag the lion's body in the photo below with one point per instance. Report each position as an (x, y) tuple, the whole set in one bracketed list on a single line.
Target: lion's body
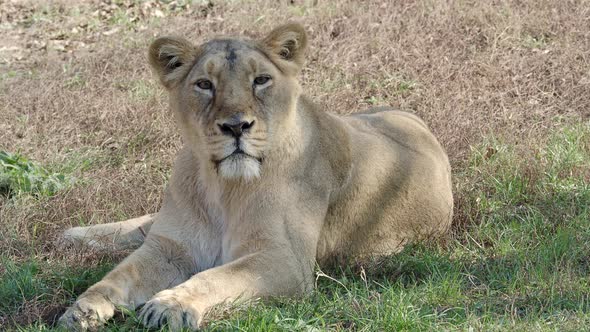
[(310, 187), (397, 169)]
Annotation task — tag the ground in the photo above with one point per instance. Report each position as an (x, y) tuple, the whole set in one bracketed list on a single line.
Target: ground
[(86, 138)]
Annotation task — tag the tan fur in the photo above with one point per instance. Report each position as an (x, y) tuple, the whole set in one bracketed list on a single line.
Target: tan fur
[(312, 186)]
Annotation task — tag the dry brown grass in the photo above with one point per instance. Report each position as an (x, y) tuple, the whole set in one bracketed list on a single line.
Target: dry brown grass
[(75, 85)]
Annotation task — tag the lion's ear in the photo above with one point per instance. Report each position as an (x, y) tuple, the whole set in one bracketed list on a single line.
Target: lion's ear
[(287, 43), (171, 58)]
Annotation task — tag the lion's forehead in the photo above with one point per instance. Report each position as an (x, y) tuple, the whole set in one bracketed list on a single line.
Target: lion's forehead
[(228, 45), (233, 58), (229, 53)]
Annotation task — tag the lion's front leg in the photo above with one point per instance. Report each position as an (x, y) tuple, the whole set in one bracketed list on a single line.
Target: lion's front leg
[(267, 252), (158, 264), (262, 274)]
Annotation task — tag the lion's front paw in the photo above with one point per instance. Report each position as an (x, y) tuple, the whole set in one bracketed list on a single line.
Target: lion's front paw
[(88, 313), (170, 308)]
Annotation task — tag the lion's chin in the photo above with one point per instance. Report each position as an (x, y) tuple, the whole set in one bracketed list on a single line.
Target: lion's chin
[(239, 166)]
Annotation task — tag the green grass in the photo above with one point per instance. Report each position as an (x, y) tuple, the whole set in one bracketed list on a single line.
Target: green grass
[(535, 42), (518, 262), (38, 281), (20, 176)]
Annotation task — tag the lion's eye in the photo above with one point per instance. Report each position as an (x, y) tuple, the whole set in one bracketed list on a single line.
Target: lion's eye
[(204, 84), (260, 80)]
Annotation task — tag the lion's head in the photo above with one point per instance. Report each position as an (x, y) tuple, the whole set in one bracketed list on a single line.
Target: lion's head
[(232, 98)]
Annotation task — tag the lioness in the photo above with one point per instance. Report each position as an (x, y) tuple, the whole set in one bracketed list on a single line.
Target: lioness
[(266, 186)]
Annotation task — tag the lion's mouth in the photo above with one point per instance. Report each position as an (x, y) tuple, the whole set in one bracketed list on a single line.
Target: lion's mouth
[(237, 154)]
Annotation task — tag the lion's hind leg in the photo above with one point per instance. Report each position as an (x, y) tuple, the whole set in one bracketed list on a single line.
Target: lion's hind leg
[(122, 235)]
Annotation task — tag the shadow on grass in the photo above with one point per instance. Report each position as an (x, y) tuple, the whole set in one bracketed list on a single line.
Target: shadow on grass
[(44, 288)]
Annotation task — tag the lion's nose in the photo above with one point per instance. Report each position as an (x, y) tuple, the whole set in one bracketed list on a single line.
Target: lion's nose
[(235, 129)]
